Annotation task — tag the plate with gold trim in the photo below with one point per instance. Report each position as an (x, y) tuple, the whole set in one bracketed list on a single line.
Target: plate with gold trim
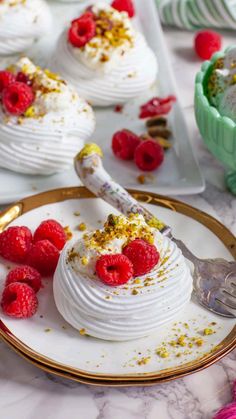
[(195, 340)]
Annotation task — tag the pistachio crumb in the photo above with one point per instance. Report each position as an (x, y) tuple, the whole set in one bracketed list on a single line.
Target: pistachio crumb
[(208, 331), (144, 361), (84, 261), (162, 352), (68, 232), (181, 340), (137, 281), (82, 227), (199, 342)]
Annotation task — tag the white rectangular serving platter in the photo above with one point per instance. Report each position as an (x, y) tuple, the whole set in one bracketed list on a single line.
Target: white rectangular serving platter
[(179, 174)]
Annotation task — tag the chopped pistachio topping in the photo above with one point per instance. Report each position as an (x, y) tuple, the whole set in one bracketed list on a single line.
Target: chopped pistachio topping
[(112, 31), (144, 360), (84, 261), (162, 352), (208, 331), (120, 227), (82, 227), (89, 149), (154, 222), (68, 232)]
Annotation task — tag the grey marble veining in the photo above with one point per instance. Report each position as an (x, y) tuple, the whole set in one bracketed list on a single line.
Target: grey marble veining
[(27, 392)]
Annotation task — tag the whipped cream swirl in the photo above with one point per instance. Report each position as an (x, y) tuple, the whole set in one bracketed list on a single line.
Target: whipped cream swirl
[(47, 137), (130, 311), (21, 22), (108, 74)]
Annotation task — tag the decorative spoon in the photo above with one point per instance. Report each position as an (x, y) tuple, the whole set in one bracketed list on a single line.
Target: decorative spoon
[(214, 280)]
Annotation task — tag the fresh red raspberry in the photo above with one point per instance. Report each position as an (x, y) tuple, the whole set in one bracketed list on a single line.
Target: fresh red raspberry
[(114, 269), (15, 243), (25, 274), (157, 106), (43, 256), (17, 97), (124, 6), (206, 43), (124, 144), (149, 155), (6, 78), (19, 300), (52, 231), (143, 255), (23, 78), (81, 31)]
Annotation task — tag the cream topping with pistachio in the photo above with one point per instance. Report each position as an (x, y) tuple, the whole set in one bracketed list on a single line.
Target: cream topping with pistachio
[(47, 136), (115, 36), (117, 232), (51, 93), (116, 65), (221, 85)]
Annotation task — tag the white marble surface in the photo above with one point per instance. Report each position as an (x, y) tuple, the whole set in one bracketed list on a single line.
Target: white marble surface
[(27, 392)]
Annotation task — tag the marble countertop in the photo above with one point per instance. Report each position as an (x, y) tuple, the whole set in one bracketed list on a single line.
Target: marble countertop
[(27, 392)]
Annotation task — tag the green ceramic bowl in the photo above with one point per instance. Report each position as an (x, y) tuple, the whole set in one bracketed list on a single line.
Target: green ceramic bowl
[(218, 132)]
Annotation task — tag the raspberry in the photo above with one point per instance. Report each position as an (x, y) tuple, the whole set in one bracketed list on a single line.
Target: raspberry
[(15, 243), (144, 256), (157, 106), (25, 274), (114, 270), (52, 231), (124, 144), (149, 155), (19, 300), (17, 97), (206, 43), (6, 78), (43, 256), (82, 30), (124, 6), (23, 78)]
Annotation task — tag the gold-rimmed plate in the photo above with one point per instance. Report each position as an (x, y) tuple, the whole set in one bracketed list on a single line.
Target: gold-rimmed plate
[(51, 343)]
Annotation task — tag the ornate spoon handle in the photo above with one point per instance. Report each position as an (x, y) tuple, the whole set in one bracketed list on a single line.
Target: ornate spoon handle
[(209, 275), (89, 167)]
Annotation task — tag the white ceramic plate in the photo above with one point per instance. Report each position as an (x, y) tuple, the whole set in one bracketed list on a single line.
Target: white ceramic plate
[(48, 339), (179, 174)]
